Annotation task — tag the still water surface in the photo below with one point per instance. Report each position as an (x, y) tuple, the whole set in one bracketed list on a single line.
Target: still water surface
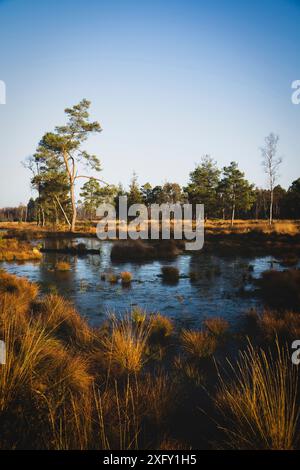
[(215, 293)]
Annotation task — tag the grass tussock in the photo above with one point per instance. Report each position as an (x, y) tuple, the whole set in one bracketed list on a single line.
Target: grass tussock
[(62, 321), (16, 295), (39, 384), (198, 344), (216, 326), (170, 274), (126, 345), (62, 266), (259, 404), (113, 278), (272, 324), (161, 328), (68, 386), (11, 284), (126, 277)]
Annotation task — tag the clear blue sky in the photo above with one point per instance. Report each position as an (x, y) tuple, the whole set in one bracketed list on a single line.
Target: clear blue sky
[(169, 81)]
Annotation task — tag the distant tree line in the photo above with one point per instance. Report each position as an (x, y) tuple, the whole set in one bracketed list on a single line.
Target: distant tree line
[(14, 214), (225, 192)]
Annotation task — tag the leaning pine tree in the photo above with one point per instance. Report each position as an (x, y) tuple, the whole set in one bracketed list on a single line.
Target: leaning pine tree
[(65, 145)]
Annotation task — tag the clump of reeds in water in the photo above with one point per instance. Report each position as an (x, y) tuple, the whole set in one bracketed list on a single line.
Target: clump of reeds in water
[(62, 266), (126, 278), (170, 274), (113, 278)]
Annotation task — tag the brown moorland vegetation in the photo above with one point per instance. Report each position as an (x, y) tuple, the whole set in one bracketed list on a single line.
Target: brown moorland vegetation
[(212, 226), (16, 250), (66, 385), (282, 239), (281, 289)]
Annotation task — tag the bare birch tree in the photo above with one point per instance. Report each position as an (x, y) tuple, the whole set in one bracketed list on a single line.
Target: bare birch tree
[(271, 162)]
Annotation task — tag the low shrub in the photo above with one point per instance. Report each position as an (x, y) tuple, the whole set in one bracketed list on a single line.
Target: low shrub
[(138, 250), (132, 250)]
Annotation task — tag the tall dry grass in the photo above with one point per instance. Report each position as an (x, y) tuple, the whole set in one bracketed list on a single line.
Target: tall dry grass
[(62, 321), (126, 346), (280, 227), (272, 324), (52, 392), (259, 404), (40, 384), (68, 386), (212, 226)]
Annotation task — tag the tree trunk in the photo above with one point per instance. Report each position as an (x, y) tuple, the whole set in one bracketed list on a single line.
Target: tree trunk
[(74, 208), (232, 215), (43, 218), (63, 211), (71, 173), (271, 208)]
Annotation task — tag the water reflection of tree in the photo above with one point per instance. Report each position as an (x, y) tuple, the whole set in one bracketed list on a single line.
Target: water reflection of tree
[(51, 279)]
